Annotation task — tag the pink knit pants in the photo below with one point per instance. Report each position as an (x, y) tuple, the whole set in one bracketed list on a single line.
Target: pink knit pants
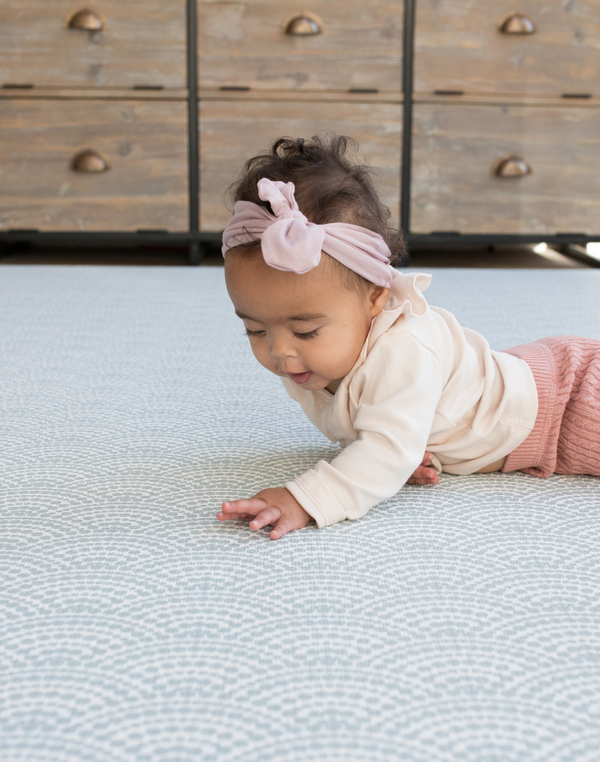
[(566, 434)]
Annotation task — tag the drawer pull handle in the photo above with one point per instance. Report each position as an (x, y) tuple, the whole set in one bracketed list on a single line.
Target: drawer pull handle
[(87, 20), (303, 26), (90, 161), (512, 166), (518, 23)]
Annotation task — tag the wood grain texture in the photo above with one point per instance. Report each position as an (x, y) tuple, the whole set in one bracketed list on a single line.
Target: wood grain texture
[(243, 44), (458, 46), (82, 93), (232, 132), (483, 99), (455, 148), (143, 44), (145, 143), (299, 96)]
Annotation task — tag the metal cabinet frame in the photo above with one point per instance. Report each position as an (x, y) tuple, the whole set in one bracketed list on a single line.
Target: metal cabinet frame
[(194, 238)]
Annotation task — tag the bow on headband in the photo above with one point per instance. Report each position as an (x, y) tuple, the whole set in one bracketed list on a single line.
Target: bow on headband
[(290, 242)]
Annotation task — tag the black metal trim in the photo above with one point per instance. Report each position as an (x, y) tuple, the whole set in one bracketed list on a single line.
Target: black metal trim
[(162, 239), (193, 132), (407, 88)]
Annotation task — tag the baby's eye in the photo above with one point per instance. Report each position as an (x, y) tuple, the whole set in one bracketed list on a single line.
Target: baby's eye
[(248, 332), (309, 335)]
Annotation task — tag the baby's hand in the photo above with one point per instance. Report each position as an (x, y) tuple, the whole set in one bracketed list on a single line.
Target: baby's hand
[(424, 475), (276, 506)]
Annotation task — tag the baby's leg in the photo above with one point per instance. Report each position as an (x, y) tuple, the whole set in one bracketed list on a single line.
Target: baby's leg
[(578, 450), (566, 435), (497, 466)]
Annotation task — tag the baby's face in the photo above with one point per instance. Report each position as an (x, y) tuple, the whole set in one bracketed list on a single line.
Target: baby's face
[(308, 327)]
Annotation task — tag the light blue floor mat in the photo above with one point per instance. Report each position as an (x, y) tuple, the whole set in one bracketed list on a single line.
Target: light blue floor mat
[(453, 623)]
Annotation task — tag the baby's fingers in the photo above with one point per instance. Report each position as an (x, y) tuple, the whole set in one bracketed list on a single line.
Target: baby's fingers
[(427, 458), (424, 475), (429, 474), (268, 516), (222, 516), (284, 525), (279, 531), (251, 506)]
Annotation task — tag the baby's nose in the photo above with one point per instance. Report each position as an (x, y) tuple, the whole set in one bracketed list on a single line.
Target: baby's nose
[(281, 348)]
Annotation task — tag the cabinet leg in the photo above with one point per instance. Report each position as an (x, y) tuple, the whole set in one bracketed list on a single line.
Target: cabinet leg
[(195, 256), (14, 249)]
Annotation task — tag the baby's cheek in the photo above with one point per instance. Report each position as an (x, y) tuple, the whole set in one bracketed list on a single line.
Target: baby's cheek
[(263, 356), (335, 363)]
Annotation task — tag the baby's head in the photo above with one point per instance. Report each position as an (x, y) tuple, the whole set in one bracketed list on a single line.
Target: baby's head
[(307, 313)]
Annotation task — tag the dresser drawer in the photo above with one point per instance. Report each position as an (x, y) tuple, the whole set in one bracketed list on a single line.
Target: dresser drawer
[(142, 42), (232, 132), (457, 149), (144, 144), (459, 46), (245, 44)]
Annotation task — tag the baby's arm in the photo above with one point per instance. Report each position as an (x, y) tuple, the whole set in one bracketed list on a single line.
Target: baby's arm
[(392, 428), (276, 506), (394, 405)]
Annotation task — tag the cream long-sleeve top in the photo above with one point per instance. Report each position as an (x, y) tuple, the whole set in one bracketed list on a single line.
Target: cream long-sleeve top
[(421, 382)]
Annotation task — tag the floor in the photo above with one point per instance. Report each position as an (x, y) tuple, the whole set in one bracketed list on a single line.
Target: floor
[(512, 257), (452, 623)]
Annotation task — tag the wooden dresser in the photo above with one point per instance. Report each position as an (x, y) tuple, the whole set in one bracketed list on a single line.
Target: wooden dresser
[(93, 115), (128, 119), (506, 117), (267, 69)]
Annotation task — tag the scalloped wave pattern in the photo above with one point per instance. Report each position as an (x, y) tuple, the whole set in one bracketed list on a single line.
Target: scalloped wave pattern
[(456, 623)]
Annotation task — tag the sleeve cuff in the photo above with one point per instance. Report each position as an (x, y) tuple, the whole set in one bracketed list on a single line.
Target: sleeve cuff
[(317, 499), (435, 464)]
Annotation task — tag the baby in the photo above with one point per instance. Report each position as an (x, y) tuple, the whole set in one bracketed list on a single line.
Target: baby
[(308, 257)]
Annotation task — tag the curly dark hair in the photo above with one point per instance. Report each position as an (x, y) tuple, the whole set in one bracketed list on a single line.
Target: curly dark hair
[(331, 186)]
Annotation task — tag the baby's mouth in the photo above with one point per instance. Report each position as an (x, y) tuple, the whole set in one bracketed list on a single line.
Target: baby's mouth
[(300, 378)]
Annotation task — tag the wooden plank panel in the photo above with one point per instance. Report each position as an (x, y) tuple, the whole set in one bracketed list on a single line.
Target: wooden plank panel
[(145, 144), (456, 147), (458, 46), (233, 131), (300, 96), (144, 43), (93, 93), (502, 100), (244, 44)]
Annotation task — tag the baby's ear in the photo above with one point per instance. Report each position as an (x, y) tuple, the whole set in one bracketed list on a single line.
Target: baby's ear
[(379, 296)]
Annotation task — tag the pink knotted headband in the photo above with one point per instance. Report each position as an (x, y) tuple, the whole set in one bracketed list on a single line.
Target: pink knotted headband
[(290, 242)]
